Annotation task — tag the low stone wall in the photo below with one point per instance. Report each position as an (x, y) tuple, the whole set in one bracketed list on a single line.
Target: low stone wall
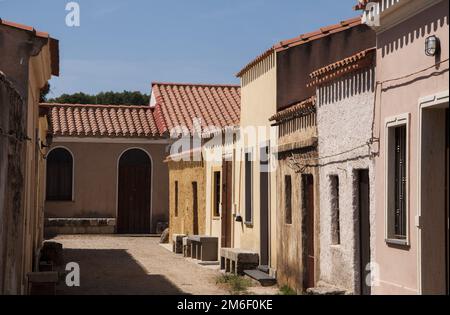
[(57, 226)]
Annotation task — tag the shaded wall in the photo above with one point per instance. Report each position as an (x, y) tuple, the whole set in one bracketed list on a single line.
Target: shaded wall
[(26, 67), (296, 63)]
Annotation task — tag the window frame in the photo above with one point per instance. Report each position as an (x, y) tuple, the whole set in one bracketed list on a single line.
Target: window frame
[(390, 124), (72, 199)]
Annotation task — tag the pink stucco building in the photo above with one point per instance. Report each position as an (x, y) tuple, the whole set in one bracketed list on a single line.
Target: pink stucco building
[(411, 127)]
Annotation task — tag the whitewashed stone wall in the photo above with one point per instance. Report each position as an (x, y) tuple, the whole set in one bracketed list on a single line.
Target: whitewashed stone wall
[(344, 119)]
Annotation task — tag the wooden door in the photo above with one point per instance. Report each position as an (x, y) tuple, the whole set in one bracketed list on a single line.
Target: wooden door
[(227, 182), (364, 231), (134, 193), (309, 258), (264, 208)]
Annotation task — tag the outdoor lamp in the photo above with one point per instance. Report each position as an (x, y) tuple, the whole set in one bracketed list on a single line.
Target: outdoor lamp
[(239, 218), (432, 46)]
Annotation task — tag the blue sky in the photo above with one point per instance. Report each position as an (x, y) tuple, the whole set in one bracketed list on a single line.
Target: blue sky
[(127, 44)]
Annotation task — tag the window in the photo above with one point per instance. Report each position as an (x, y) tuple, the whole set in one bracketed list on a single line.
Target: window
[(176, 198), (195, 207), (216, 194), (335, 211), (397, 183), (248, 188), (59, 175), (288, 199)]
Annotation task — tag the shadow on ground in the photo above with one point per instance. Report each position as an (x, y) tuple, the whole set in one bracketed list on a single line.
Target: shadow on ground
[(114, 272)]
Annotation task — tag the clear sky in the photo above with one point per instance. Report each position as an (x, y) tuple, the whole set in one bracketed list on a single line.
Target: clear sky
[(127, 44)]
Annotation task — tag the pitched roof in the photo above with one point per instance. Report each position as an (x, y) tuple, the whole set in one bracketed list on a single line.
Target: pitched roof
[(101, 120), (303, 108), (255, 61), (335, 70), (179, 104), (54, 43), (320, 33), (302, 39)]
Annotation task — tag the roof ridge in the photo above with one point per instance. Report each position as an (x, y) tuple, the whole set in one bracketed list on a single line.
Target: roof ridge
[(195, 84), (95, 105)]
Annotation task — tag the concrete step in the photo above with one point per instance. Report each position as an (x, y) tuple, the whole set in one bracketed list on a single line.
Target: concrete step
[(263, 278), (265, 269)]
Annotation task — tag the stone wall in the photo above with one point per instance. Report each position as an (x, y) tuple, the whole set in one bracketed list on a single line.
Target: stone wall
[(345, 120), (298, 142), (186, 173)]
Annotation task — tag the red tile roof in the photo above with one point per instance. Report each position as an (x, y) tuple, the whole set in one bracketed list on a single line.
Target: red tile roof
[(320, 33), (178, 104), (101, 120), (303, 108), (302, 39), (358, 61), (54, 43)]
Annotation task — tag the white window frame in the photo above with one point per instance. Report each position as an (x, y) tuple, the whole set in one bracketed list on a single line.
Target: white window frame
[(392, 122)]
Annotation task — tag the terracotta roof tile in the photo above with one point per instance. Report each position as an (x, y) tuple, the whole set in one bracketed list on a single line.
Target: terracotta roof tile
[(102, 121), (322, 32), (303, 108), (178, 104), (302, 39), (332, 71)]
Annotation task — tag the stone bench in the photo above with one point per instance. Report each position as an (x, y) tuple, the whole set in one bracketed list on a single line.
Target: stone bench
[(177, 243), (187, 244), (236, 261), (203, 248)]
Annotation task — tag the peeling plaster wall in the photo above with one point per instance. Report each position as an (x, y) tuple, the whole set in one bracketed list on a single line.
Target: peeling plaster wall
[(186, 173), (345, 119)]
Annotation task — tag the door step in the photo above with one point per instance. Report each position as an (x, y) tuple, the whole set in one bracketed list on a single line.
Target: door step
[(265, 269), (263, 278)]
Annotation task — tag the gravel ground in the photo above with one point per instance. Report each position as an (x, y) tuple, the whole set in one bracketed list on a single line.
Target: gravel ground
[(133, 266)]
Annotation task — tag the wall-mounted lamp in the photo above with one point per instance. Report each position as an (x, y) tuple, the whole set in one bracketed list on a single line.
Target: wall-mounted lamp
[(432, 46), (48, 141), (239, 218)]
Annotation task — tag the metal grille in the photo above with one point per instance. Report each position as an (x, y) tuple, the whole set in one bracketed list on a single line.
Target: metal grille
[(400, 182)]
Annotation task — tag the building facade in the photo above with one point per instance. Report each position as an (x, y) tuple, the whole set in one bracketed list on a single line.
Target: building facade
[(29, 59), (195, 116), (105, 170), (345, 113), (411, 166), (254, 189)]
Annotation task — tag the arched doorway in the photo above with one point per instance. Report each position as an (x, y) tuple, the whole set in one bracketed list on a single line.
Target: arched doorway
[(134, 193)]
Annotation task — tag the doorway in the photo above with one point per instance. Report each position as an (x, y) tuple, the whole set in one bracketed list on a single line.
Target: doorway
[(364, 231), (264, 184), (195, 228), (434, 213), (227, 182), (308, 242), (134, 193)]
